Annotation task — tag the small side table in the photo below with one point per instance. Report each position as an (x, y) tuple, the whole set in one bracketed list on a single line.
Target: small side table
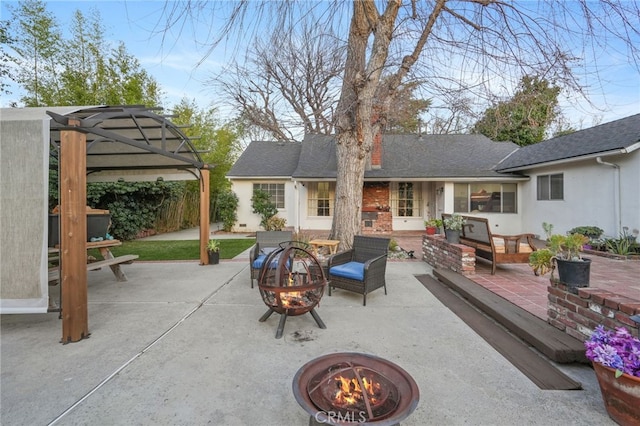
[(331, 244)]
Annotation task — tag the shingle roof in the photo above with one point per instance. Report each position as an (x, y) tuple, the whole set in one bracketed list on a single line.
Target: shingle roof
[(267, 159), (605, 138), (411, 156), (404, 157)]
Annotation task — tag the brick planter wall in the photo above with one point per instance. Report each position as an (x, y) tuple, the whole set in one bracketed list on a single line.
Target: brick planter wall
[(437, 252), (578, 314)]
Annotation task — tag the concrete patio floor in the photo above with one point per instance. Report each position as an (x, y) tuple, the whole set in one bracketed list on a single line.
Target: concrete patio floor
[(180, 344)]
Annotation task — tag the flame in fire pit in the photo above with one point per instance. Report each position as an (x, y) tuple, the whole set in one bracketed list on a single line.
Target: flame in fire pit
[(350, 392), (349, 389)]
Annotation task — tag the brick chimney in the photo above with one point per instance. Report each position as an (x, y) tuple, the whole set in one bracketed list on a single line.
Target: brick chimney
[(376, 151)]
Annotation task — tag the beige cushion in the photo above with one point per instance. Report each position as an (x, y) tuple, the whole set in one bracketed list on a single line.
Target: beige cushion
[(499, 246)]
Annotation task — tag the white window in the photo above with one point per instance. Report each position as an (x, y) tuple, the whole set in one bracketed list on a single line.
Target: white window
[(485, 197), (551, 187), (321, 196), (406, 199), (275, 191)]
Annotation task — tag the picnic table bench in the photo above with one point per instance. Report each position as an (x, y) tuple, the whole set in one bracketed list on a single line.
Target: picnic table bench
[(109, 260), (495, 248)]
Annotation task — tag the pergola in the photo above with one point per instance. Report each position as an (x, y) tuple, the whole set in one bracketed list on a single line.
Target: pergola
[(93, 144)]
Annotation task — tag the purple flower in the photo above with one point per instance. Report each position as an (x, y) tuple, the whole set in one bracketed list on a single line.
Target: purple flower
[(619, 349)]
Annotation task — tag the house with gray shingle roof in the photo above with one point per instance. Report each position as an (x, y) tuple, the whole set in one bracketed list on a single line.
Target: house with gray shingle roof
[(589, 177), (416, 177)]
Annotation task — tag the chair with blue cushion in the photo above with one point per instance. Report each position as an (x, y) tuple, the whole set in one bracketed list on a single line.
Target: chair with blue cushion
[(362, 268), (266, 242)]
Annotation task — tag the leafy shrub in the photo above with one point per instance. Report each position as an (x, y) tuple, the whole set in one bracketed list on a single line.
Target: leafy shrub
[(227, 209), (625, 244), (274, 223), (262, 205), (133, 205), (592, 232)]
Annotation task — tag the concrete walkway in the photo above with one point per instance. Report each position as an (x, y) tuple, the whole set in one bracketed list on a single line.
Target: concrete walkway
[(180, 344)]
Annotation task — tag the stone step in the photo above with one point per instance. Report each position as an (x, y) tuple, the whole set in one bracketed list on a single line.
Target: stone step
[(553, 343)]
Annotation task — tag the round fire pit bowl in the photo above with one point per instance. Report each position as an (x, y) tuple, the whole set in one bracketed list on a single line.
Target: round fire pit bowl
[(395, 398)]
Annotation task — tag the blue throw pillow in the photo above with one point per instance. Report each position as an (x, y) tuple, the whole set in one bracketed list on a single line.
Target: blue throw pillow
[(351, 270)]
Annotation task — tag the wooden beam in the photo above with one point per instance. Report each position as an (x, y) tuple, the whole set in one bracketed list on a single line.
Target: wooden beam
[(73, 234), (204, 216)]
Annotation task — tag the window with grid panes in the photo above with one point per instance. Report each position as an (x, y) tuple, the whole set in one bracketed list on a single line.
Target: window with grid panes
[(406, 199), (275, 191), (320, 198)]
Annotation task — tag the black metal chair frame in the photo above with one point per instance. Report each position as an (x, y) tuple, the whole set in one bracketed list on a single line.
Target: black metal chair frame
[(372, 252), (266, 239)]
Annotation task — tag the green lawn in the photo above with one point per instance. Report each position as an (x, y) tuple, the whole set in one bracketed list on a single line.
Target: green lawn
[(176, 250)]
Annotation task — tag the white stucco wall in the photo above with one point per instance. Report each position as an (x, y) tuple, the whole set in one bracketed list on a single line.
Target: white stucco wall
[(249, 221), (434, 203), (501, 223), (590, 196)]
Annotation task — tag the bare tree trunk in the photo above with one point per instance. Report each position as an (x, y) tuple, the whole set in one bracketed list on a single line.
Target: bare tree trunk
[(354, 128)]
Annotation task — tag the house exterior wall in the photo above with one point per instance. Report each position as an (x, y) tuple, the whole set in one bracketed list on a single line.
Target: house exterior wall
[(590, 196), (437, 198), (501, 223), (249, 221), (305, 221)]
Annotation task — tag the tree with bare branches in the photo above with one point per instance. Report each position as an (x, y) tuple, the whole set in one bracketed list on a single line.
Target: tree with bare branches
[(483, 43), (288, 84)]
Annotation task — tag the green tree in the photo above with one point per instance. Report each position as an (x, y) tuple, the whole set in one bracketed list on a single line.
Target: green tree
[(38, 41), (6, 59), (92, 73), (84, 80), (524, 119), (404, 117), (128, 82), (219, 143)]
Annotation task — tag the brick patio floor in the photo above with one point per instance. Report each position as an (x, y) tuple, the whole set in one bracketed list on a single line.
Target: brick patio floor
[(519, 285)]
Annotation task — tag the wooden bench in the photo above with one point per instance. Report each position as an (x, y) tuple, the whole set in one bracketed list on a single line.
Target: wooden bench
[(54, 273), (495, 248)]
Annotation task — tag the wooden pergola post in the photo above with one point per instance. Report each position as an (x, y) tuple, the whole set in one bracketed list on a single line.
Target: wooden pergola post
[(73, 234), (204, 215)]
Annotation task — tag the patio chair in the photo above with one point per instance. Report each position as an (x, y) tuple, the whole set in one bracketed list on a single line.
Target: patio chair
[(362, 268), (266, 242)]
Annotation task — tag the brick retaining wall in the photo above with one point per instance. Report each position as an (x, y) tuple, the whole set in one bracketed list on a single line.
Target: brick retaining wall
[(437, 252), (578, 314)]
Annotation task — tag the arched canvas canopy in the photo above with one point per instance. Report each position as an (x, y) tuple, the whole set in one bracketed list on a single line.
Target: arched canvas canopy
[(132, 143), (101, 143)]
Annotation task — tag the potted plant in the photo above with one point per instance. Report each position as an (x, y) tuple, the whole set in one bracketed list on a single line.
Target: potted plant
[(432, 226), (213, 251), (563, 251), (573, 269), (452, 227), (616, 360)]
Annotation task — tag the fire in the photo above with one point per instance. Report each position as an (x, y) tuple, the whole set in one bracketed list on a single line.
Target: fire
[(291, 298), (350, 392)]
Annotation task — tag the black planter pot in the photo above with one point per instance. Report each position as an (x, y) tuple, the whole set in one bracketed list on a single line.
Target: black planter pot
[(574, 273), (452, 236), (214, 257)]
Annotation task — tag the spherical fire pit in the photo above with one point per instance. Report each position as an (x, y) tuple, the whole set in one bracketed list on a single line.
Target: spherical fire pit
[(291, 283)]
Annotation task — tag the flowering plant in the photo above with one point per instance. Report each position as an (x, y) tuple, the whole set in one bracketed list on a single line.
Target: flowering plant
[(619, 350)]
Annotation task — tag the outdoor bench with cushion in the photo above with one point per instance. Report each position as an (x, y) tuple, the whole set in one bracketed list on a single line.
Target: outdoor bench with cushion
[(266, 242), (361, 269), (495, 248)]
